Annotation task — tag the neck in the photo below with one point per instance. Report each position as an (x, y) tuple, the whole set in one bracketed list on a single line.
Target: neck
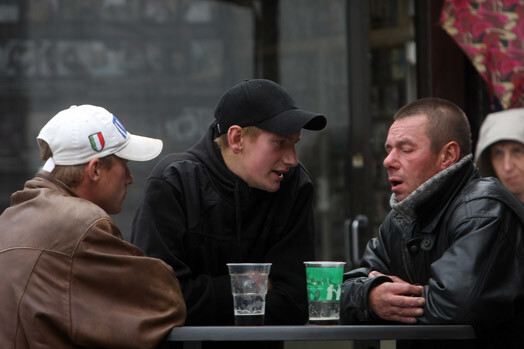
[(231, 161)]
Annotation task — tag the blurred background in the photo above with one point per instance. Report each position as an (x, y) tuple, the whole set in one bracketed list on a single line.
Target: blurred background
[(161, 65)]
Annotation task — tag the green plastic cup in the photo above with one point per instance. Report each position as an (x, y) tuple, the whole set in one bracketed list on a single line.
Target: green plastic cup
[(324, 287)]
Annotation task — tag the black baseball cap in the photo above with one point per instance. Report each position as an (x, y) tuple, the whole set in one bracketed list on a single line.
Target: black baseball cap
[(266, 105)]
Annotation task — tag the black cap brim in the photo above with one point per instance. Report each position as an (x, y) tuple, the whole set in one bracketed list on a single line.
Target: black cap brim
[(293, 120)]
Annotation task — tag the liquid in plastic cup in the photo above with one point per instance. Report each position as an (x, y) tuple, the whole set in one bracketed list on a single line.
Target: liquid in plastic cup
[(249, 288), (324, 287)]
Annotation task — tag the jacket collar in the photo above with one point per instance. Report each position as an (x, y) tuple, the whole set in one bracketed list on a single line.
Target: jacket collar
[(33, 187), (423, 199)]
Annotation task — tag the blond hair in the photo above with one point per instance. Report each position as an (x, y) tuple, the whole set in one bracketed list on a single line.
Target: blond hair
[(248, 131), (70, 175)]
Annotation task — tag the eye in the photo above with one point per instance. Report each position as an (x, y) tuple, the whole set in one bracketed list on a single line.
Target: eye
[(496, 153)]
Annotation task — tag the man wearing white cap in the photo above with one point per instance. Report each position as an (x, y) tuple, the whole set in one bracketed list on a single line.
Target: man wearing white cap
[(69, 279)]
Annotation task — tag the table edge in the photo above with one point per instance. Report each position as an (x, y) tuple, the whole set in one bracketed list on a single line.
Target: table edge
[(308, 332)]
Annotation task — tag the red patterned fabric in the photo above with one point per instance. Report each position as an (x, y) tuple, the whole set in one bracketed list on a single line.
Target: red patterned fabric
[(491, 33)]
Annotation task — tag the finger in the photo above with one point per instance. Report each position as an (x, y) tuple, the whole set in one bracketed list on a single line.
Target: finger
[(401, 314), (374, 274), (397, 279), (404, 319), (391, 302), (410, 312), (416, 290), (405, 289), (408, 301)]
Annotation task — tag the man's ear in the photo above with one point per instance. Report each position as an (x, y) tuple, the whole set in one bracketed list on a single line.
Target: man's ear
[(234, 137), (449, 154), (92, 170)]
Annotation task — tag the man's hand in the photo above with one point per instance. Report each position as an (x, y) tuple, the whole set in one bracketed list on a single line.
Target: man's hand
[(397, 300)]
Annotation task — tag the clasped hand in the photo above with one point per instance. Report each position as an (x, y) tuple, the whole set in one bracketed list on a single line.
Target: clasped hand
[(397, 300)]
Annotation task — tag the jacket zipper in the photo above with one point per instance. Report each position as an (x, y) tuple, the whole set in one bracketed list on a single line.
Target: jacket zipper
[(404, 262)]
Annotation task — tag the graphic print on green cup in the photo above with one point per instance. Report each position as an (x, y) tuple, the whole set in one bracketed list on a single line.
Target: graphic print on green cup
[(324, 287)]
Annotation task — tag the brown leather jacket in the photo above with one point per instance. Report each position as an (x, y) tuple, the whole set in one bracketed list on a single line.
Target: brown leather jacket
[(70, 280)]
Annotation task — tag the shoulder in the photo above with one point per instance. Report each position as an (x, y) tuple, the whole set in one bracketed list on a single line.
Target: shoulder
[(487, 188), (82, 214), (179, 168), (68, 207), (181, 176), (68, 219), (486, 196), (173, 160)]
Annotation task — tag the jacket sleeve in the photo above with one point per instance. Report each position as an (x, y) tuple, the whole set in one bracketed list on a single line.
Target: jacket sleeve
[(119, 297), (357, 284), (480, 276)]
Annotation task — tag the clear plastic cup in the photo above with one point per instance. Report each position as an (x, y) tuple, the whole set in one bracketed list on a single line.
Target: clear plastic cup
[(249, 288)]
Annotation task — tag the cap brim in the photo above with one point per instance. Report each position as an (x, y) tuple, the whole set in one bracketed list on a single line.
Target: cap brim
[(293, 120), (140, 148)]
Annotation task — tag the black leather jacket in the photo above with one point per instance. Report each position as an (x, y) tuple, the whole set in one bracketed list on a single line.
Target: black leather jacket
[(462, 238)]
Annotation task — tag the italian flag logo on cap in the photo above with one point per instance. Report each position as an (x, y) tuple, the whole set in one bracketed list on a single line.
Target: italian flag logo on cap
[(97, 141)]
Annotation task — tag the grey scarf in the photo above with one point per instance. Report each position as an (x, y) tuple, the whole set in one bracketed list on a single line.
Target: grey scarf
[(407, 206)]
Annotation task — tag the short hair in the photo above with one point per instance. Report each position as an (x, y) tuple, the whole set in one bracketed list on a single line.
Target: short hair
[(70, 175), (249, 131), (446, 122)]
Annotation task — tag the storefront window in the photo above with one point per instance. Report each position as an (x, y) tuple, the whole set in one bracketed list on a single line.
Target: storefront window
[(161, 66)]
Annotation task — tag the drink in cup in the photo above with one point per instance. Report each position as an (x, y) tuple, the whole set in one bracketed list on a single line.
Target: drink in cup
[(249, 288), (324, 287)]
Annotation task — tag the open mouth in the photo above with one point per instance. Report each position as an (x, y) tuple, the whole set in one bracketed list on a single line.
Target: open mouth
[(279, 173), (395, 183)]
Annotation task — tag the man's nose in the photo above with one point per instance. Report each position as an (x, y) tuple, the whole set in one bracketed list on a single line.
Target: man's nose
[(290, 158), (389, 160), (129, 177)]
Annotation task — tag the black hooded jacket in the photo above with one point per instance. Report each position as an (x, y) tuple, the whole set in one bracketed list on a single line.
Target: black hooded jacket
[(197, 216), (461, 237)]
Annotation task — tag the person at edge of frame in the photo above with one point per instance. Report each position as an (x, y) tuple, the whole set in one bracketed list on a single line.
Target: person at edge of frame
[(451, 249), (500, 149), (69, 280)]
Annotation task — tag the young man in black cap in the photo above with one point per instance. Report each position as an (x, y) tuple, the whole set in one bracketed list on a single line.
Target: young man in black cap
[(238, 195)]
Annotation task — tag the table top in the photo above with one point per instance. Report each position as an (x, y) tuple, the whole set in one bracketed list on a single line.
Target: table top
[(312, 332)]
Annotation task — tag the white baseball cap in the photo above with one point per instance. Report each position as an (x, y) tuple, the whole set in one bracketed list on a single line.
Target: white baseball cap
[(82, 133)]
